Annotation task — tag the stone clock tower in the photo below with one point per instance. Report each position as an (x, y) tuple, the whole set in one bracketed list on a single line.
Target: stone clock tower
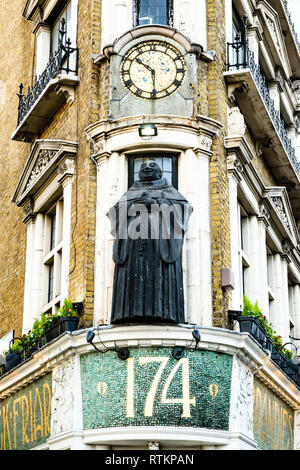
[(152, 73)]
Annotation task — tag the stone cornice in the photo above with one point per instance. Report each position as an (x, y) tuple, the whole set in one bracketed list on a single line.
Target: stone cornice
[(144, 32), (111, 337), (174, 132)]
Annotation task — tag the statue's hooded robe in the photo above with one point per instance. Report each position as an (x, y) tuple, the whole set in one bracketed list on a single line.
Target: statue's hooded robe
[(148, 284)]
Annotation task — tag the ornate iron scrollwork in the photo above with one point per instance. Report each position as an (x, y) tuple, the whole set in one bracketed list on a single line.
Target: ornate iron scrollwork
[(239, 57), (58, 62)]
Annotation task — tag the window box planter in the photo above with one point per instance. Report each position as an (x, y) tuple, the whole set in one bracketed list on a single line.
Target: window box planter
[(252, 326), (13, 359), (65, 324)]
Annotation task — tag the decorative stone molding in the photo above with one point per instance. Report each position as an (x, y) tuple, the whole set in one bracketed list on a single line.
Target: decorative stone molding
[(235, 165), (28, 210), (63, 397), (66, 169), (242, 416), (286, 250), (205, 143), (278, 203), (274, 387), (173, 132), (151, 30), (44, 159), (264, 215), (236, 122), (237, 87)]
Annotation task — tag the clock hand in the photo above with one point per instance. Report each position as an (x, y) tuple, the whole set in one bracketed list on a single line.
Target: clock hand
[(153, 80), (145, 65)]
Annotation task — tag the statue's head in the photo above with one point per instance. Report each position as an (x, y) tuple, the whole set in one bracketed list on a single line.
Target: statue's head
[(150, 171)]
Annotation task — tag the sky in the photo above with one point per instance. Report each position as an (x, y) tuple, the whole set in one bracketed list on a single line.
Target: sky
[(294, 7)]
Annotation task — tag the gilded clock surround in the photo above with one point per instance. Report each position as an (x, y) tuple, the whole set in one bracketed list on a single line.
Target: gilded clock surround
[(153, 69)]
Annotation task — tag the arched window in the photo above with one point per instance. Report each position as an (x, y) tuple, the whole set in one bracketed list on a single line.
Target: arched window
[(153, 12)]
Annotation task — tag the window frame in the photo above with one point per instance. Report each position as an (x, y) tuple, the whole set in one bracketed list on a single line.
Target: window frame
[(243, 244), (52, 257), (131, 158), (170, 13)]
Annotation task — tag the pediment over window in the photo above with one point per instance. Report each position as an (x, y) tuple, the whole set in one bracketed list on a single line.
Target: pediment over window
[(273, 33), (45, 160), (281, 212), (39, 10)]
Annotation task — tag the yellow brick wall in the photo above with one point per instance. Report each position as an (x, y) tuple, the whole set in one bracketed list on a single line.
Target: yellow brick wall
[(15, 67), (219, 195)]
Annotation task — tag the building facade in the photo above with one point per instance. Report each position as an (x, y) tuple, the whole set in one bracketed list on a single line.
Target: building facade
[(75, 96)]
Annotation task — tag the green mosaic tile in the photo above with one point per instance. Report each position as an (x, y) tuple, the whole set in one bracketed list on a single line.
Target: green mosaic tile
[(152, 388)]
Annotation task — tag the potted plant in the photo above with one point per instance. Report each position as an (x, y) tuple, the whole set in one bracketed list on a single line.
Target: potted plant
[(65, 319), (15, 354), (253, 321)]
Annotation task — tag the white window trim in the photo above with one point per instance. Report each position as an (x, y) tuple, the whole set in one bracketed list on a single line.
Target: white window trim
[(47, 178), (43, 32)]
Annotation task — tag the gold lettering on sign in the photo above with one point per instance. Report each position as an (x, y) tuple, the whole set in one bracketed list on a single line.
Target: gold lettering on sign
[(102, 388), (24, 401), (47, 413), (6, 425), (186, 401), (16, 413), (153, 388), (273, 421), (25, 417), (213, 390), (37, 427)]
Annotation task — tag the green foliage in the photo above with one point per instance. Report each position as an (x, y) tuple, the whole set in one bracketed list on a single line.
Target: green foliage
[(16, 346), (254, 311), (41, 325)]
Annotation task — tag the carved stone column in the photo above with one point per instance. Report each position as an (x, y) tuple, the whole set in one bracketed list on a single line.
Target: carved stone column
[(258, 276), (234, 171), (29, 220), (66, 171)]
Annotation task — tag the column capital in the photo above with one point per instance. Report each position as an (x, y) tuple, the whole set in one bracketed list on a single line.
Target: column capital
[(235, 167), (66, 170), (286, 251), (263, 215)]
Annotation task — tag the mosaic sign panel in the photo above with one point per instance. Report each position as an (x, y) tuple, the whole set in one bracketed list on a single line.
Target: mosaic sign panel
[(273, 420), (151, 388), (25, 416)]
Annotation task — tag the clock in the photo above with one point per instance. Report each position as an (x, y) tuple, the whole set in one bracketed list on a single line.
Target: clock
[(152, 70)]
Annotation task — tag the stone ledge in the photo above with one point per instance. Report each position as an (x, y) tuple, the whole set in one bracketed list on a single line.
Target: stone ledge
[(168, 435), (213, 339)]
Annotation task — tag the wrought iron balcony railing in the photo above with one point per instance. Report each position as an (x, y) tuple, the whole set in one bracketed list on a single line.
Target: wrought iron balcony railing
[(58, 62), (291, 23), (240, 57)]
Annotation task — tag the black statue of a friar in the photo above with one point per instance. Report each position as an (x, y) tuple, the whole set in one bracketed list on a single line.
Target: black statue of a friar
[(148, 224)]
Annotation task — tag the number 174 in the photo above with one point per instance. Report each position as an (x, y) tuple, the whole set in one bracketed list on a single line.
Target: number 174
[(186, 401)]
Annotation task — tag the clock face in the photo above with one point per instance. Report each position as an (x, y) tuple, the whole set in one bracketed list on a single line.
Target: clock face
[(152, 70)]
